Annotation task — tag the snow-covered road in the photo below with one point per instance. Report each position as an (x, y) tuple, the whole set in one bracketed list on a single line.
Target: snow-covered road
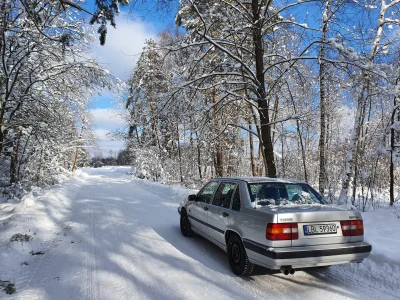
[(113, 239)]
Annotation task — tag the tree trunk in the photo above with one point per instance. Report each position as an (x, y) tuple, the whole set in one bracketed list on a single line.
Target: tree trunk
[(191, 156), (265, 129), (327, 140), (391, 181), (355, 177), (274, 117), (349, 169), (303, 153), (252, 165), (392, 153), (198, 155), (322, 97), (230, 169), (360, 150), (260, 156), (75, 160), (219, 161), (1, 136), (39, 167), (282, 153), (2, 101), (219, 158), (179, 153), (160, 151), (21, 161), (14, 160), (153, 125)]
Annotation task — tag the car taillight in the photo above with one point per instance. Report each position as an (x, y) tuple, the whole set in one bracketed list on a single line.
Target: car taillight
[(352, 228), (280, 232)]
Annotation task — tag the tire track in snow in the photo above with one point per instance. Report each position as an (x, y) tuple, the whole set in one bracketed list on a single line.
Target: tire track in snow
[(91, 264), (127, 282), (131, 266)]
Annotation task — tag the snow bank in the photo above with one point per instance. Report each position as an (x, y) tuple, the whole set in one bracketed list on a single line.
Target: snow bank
[(172, 192), (6, 211), (39, 217), (382, 231)]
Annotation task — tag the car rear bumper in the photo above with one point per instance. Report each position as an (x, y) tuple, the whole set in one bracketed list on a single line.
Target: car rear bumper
[(309, 256)]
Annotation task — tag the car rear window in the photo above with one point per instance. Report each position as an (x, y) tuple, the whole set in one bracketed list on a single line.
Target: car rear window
[(277, 193)]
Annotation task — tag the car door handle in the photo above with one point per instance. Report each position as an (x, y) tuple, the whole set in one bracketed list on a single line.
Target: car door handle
[(225, 214), (205, 208)]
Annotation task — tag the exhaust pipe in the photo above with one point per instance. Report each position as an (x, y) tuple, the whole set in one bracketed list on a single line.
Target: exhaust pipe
[(287, 270)]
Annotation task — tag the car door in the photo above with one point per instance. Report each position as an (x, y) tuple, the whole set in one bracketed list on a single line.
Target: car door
[(219, 211), (197, 210)]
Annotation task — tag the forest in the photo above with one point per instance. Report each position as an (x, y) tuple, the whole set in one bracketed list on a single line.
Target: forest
[(302, 89), (47, 77), (295, 89)]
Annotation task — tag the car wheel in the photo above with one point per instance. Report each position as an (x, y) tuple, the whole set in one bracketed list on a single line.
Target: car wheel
[(185, 224), (237, 257)]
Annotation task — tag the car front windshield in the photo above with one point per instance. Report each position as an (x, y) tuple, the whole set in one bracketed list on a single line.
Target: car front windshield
[(277, 193)]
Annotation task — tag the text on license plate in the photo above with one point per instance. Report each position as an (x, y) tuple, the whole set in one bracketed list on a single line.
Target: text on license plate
[(319, 229)]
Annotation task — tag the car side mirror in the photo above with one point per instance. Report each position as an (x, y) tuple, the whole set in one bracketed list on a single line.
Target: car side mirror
[(192, 197)]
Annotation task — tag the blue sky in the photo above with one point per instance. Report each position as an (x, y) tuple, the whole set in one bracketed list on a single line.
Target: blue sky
[(119, 55)]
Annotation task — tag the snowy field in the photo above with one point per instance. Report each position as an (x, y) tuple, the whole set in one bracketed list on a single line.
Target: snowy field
[(103, 235)]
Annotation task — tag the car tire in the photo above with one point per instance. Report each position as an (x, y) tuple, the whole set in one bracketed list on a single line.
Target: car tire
[(238, 260), (185, 224)]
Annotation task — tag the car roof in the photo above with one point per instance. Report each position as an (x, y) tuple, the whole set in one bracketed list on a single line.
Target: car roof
[(258, 179)]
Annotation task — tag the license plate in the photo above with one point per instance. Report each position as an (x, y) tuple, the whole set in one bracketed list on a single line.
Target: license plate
[(319, 229)]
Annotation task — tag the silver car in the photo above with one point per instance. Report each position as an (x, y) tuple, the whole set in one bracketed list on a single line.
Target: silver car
[(276, 223)]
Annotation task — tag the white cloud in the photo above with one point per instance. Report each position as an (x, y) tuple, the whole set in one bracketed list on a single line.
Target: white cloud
[(123, 46), (107, 118), (105, 121)]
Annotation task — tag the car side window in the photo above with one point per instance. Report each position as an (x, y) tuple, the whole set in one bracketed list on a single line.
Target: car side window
[(236, 200), (253, 188), (223, 196), (206, 194)]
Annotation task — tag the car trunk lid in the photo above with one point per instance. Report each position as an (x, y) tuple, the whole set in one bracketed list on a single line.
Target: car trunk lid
[(316, 224)]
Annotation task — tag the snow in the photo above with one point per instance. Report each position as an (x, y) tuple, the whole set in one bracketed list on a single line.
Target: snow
[(382, 231), (171, 192), (325, 16), (105, 235)]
